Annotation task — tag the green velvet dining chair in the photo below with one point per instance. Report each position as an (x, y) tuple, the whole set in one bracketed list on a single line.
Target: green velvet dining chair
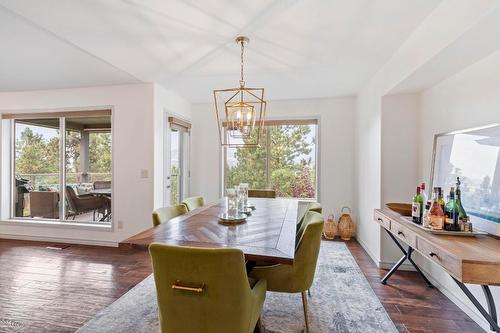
[(165, 214), (205, 290), (311, 206), (193, 202), (296, 278), (315, 207)]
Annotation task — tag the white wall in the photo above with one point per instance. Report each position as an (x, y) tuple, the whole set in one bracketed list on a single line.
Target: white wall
[(336, 147), (448, 22), (468, 99), (133, 150), (166, 103), (399, 160)]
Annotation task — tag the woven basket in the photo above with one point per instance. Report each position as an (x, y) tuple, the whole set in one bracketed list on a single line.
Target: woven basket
[(346, 225)]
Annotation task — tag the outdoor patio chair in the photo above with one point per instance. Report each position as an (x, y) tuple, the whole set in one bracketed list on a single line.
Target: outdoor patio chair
[(79, 205)]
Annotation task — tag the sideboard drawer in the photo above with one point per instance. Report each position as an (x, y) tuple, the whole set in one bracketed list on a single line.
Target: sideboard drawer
[(403, 233), (382, 220), (450, 263)]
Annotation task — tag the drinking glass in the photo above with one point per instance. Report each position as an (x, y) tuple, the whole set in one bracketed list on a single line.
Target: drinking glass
[(244, 189), (241, 198), (232, 202)]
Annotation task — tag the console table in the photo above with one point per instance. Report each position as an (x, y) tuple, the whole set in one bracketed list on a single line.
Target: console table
[(474, 260)]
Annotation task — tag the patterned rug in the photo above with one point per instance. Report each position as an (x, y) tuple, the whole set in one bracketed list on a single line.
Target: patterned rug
[(341, 301)]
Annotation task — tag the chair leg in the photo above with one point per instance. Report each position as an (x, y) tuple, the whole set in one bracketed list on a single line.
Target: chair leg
[(304, 303), (309, 292)]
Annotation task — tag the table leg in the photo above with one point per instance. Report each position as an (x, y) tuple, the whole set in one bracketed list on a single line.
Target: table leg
[(406, 256), (490, 316)]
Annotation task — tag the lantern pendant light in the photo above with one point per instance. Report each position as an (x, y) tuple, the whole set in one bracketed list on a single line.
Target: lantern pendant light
[(240, 111)]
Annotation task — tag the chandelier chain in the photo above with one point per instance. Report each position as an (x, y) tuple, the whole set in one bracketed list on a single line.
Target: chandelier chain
[(242, 80)]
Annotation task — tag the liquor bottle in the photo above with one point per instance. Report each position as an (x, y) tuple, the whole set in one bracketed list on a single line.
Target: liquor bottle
[(417, 207), (423, 193), (436, 214), (451, 212), (462, 215), (441, 202), (427, 215), (441, 198)]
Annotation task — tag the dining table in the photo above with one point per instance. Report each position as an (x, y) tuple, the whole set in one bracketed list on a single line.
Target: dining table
[(268, 234), (104, 192)]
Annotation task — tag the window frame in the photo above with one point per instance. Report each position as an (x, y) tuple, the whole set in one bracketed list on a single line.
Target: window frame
[(283, 122), (61, 116)]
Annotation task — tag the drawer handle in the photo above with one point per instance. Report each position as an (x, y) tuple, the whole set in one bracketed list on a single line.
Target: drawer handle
[(432, 254), (401, 233)]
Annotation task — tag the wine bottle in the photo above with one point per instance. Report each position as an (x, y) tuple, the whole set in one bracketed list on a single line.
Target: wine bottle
[(451, 211), (436, 214), (427, 215), (423, 193), (441, 198), (462, 215), (417, 207), (441, 202)]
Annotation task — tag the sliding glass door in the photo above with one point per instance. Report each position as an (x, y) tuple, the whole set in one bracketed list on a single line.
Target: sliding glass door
[(62, 168)]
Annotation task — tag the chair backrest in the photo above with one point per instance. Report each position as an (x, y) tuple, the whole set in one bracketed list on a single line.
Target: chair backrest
[(218, 295), (165, 214), (102, 184), (306, 254), (315, 207), (71, 198), (262, 194), (193, 202), (310, 206)]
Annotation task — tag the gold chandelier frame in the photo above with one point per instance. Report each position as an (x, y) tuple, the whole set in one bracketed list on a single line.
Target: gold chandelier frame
[(240, 111)]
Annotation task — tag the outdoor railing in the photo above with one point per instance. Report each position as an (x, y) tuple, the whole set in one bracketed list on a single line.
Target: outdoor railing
[(50, 181)]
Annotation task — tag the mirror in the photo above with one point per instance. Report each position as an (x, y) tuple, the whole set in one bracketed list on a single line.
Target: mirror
[(474, 156)]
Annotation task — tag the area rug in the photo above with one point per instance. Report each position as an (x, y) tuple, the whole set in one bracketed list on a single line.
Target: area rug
[(341, 301)]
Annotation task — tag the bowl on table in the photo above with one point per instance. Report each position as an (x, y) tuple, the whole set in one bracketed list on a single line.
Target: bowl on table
[(401, 208)]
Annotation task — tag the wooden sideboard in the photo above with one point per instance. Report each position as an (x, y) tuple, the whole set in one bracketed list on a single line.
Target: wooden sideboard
[(474, 260)]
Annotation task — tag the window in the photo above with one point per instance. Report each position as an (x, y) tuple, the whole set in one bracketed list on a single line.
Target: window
[(62, 159), (285, 160)]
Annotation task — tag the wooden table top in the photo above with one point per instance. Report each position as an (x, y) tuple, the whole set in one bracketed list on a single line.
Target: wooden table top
[(267, 235)]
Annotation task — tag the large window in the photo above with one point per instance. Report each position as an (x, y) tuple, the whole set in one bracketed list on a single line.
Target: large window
[(62, 167), (285, 160)]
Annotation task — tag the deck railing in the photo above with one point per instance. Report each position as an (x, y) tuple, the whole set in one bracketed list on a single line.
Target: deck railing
[(50, 181)]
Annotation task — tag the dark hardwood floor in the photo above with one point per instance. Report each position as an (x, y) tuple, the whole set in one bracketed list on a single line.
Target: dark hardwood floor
[(44, 290), (412, 306)]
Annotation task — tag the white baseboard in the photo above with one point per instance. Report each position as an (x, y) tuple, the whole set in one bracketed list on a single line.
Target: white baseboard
[(60, 240), (389, 264)]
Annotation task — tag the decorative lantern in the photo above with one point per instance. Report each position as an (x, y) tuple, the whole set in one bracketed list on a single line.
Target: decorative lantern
[(240, 111), (330, 228), (346, 225)]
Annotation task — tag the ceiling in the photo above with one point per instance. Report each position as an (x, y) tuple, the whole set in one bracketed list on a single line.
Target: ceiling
[(297, 49)]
